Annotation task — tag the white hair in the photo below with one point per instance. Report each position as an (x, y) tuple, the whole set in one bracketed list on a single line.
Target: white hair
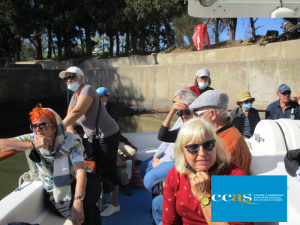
[(185, 95)]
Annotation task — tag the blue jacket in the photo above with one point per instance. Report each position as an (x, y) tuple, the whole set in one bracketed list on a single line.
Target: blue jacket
[(274, 111)]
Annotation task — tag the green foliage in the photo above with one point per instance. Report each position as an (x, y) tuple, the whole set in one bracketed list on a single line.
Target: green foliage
[(28, 51), (171, 48), (184, 26)]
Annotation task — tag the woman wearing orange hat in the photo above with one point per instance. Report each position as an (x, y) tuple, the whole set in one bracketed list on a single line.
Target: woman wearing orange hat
[(245, 118)]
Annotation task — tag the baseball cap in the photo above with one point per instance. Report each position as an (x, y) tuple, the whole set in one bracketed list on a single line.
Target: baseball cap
[(213, 99), (72, 69), (283, 87), (102, 91), (203, 73)]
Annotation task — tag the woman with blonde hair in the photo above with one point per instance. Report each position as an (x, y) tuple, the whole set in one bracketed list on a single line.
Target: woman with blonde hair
[(198, 155)]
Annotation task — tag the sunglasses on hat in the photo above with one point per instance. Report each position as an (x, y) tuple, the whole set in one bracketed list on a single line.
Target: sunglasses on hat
[(71, 77), (207, 146)]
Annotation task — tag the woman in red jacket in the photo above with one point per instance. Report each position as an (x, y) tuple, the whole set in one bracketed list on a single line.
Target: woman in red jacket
[(202, 82), (198, 155)]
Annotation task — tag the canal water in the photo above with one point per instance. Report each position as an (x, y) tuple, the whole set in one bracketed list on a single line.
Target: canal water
[(13, 168)]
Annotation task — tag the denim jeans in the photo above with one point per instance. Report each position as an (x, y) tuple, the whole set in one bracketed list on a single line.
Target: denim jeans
[(153, 175), (157, 210)]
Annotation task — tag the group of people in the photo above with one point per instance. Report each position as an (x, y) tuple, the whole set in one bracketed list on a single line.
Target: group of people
[(204, 141)]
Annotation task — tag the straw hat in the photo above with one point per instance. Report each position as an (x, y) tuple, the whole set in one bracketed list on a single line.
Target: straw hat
[(244, 96)]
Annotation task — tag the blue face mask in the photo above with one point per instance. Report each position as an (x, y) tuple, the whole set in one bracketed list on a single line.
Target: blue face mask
[(203, 85), (74, 86), (247, 106)]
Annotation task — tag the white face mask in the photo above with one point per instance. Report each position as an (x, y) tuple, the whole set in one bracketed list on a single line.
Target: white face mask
[(74, 86), (203, 85)]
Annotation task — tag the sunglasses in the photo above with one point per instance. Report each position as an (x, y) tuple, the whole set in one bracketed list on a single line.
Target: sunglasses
[(286, 93), (181, 112), (207, 146), (71, 77), (41, 126), (248, 101)]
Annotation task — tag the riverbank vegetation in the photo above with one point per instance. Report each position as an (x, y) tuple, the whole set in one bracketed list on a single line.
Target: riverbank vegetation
[(61, 29)]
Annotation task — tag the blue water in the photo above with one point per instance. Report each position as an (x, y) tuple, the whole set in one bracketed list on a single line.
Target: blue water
[(135, 209)]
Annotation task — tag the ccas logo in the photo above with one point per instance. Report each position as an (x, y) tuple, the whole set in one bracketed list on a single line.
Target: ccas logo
[(245, 198)]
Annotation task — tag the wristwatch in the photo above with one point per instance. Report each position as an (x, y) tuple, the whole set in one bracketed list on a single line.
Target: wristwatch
[(205, 201), (79, 198)]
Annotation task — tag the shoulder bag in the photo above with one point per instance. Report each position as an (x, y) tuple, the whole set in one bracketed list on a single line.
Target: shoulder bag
[(90, 146)]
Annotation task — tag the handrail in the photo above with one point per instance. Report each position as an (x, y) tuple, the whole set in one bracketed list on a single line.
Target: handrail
[(8, 154), (229, 110)]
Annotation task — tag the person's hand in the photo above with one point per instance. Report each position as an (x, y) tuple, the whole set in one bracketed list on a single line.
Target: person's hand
[(296, 98), (42, 142), (155, 163), (200, 184), (180, 105), (71, 129), (154, 111), (77, 213), (155, 158)]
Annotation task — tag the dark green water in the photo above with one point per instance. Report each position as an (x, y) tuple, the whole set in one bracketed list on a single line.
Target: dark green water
[(13, 168)]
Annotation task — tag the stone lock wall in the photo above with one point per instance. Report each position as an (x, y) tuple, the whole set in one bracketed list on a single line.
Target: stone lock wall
[(258, 69), (22, 89)]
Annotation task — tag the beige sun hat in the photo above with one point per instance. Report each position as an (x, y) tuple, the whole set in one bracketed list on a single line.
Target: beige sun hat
[(244, 96)]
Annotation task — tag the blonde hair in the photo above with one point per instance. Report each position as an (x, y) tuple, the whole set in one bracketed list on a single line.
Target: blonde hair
[(197, 130)]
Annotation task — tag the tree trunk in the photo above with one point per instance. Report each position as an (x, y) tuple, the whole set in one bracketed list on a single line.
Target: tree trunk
[(217, 30), (167, 33), (111, 45), (127, 40), (88, 41), (53, 46), (49, 41), (39, 45), (66, 48), (252, 28), (18, 48), (82, 44), (142, 38), (118, 44), (133, 43), (232, 25), (59, 44), (157, 36)]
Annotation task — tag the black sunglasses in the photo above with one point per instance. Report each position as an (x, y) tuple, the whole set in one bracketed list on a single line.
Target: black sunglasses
[(248, 101), (207, 145), (71, 77), (181, 112), (286, 93), (41, 126)]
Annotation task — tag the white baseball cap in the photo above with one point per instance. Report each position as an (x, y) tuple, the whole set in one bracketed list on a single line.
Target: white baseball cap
[(203, 73), (72, 69)]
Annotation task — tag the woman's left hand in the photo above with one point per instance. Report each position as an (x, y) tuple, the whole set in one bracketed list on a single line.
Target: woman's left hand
[(200, 184), (77, 212)]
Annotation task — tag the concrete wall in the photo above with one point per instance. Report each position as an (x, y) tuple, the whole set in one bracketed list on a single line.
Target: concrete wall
[(118, 62), (259, 69), (22, 89), (59, 65)]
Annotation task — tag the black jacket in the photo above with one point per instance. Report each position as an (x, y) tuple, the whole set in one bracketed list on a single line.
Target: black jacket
[(237, 117), (116, 111)]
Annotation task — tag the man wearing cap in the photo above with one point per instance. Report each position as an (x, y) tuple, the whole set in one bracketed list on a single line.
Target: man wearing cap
[(244, 117), (126, 149), (202, 82), (212, 106), (282, 107)]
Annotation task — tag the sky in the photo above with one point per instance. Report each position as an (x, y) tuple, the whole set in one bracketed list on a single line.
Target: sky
[(267, 23)]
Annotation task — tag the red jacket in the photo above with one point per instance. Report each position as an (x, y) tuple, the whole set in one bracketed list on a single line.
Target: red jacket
[(179, 204), (196, 90)]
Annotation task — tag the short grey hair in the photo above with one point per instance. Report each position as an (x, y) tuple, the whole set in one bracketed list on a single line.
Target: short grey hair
[(185, 95), (220, 112), (79, 75)]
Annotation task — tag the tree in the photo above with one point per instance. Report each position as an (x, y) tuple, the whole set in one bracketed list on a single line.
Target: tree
[(232, 27), (184, 26)]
